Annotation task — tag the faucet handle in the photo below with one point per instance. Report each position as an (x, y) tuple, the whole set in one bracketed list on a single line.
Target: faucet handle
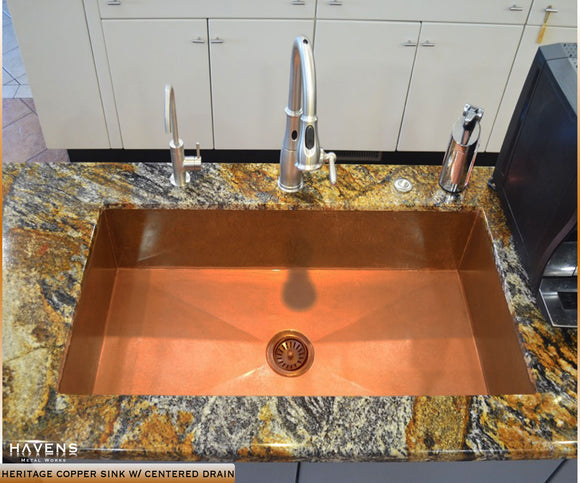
[(329, 158)]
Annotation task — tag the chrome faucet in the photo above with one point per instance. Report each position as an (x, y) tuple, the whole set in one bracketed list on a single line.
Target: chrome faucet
[(180, 162), (301, 150)]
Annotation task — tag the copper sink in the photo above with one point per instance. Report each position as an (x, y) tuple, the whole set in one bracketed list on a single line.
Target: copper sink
[(184, 302)]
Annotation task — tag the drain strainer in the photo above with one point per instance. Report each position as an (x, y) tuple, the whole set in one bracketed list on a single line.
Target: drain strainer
[(290, 353)]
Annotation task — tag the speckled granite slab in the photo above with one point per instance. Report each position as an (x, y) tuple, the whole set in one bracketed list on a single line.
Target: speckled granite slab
[(50, 212)]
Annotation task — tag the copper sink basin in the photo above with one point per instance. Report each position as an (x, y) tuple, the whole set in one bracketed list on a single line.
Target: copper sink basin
[(184, 302)]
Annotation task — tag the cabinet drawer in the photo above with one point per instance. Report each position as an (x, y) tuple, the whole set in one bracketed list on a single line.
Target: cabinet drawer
[(564, 16), (488, 11), (206, 8)]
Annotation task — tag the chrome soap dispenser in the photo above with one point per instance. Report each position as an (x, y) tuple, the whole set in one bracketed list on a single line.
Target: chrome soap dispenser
[(460, 156)]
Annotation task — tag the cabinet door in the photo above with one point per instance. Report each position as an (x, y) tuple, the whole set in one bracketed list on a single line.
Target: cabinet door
[(526, 52), (564, 13), (363, 71), (55, 46), (456, 64), (144, 55), (250, 72)]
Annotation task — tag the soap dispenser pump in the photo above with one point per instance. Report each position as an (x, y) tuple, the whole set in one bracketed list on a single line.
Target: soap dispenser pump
[(460, 156)]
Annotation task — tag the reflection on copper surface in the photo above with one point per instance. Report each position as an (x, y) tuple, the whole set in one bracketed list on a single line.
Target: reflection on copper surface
[(492, 322), (402, 315)]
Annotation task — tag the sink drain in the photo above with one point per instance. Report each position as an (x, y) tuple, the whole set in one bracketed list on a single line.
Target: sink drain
[(290, 353)]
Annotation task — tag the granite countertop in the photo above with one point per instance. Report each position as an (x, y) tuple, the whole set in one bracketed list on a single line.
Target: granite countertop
[(50, 212)]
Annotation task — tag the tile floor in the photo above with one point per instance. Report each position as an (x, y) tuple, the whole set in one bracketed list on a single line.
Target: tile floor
[(14, 79), (22, 139)]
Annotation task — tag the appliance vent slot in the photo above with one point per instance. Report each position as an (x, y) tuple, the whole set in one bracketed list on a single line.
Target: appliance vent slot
[(572, 52), (358, 156)]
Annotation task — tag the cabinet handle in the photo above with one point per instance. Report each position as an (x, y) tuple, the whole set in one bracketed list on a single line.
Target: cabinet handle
[(217, 40), (427, 44), (515, 8), (199, 40), (114, 2), (409, 43), (549, 11), (298, 2), (335, 3)]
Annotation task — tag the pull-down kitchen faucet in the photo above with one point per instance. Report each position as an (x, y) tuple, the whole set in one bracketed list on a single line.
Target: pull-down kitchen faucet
[(301, 150)]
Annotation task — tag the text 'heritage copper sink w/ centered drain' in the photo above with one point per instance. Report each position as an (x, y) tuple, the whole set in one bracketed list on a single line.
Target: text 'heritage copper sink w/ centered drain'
[(223, 302)]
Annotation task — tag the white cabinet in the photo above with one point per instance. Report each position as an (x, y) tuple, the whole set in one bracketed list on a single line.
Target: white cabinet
[(55, 46), (488, 11), (144, 55), (391, 74), (526, 52), (363, 71), (207, 8), (249, 62), (455, 64), (250, 73), (563, 13)]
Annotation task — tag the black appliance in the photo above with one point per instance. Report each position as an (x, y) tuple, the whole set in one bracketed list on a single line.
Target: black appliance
[(536, 180)]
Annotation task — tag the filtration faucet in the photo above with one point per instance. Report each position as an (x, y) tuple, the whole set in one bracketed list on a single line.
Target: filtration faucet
[(462, 150), (301, 150), (180, 162)]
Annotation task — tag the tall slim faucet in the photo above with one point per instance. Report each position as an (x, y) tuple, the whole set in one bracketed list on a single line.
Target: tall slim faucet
[(179, 161), (301, 150)]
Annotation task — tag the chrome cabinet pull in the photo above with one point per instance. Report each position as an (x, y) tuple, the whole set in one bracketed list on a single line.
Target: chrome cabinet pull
[(409, 43), (335, 3), (114, 2), (298, 2), (550, 9), (199, 40), (217, 40), (427, 44), (516, 8)]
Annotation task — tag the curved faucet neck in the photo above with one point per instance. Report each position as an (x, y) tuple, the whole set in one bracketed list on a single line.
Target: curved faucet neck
[(302, 91)]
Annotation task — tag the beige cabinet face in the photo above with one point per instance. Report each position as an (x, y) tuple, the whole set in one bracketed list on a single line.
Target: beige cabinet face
[(526, 52), (456, 64), (363, 71), (250, 72), (207, 9), (54, 42), (144, 55), (562, 13), (473, 11)]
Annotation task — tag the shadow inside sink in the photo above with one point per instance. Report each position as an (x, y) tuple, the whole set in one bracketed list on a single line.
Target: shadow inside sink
[(184, 302)]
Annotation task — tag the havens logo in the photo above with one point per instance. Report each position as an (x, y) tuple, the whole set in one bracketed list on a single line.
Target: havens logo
[(42, 452)]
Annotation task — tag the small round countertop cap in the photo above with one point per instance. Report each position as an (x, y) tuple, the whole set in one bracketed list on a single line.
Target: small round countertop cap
[(403, 185)]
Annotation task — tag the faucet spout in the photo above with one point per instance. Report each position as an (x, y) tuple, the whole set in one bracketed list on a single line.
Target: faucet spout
[(301, 149)]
